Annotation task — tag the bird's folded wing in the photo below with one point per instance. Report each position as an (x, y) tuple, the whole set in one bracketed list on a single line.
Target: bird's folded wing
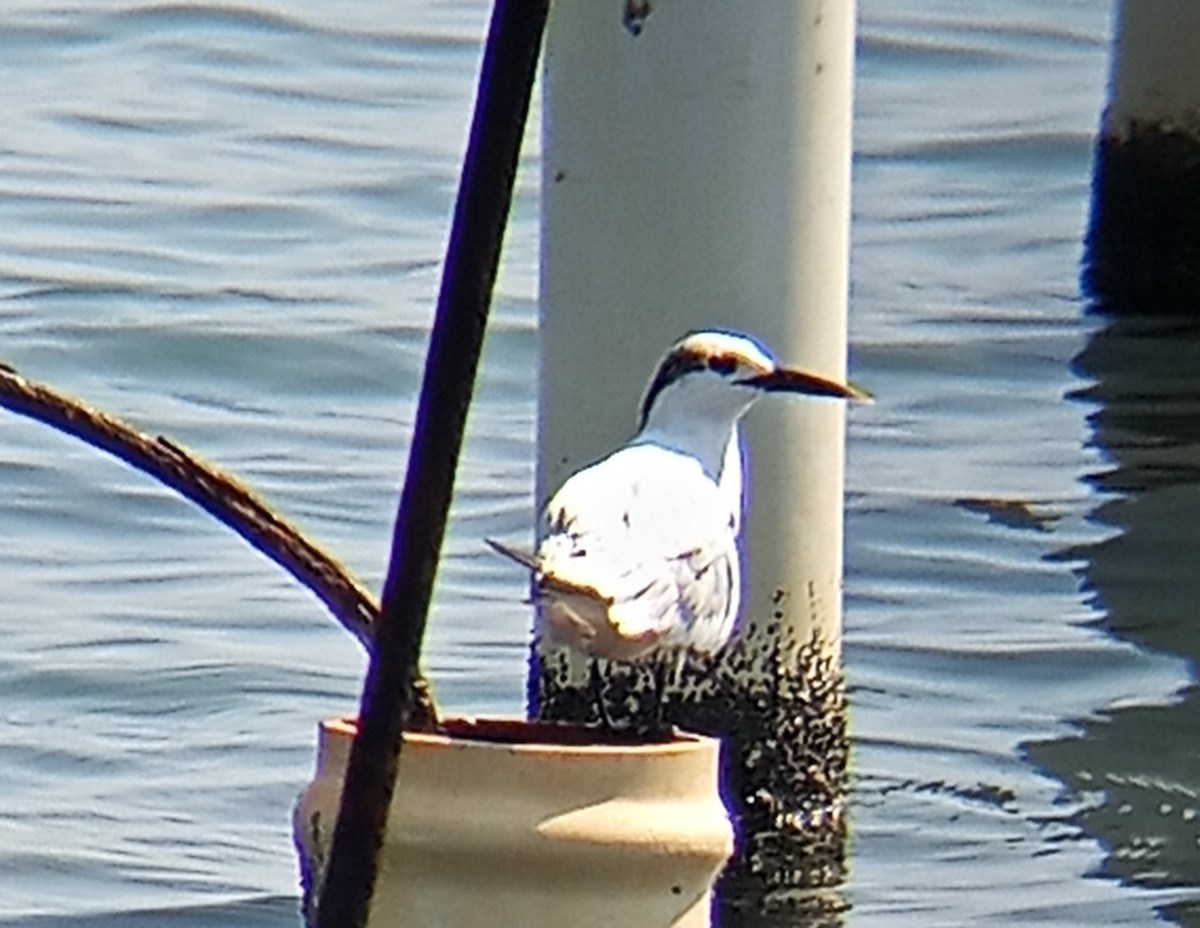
[(651, 611), (679, 600), (650, 536), (707, 584)]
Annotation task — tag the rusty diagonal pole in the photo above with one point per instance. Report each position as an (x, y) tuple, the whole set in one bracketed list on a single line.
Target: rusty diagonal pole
[(485, 193)]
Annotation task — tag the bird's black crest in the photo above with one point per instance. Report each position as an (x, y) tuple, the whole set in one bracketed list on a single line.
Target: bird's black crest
[(672, 368), (679, 363)]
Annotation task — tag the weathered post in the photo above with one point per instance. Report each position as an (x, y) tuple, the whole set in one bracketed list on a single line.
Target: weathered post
[(696, 174), (1143, 249)]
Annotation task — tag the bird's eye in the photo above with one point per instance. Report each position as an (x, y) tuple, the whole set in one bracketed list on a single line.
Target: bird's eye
[(722, 364)]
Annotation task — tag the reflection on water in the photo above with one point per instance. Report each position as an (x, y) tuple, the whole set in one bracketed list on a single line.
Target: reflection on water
[(1137, 767)]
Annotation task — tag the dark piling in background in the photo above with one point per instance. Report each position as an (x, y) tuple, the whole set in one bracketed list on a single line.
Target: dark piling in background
[(485, 193), (1143, 243)]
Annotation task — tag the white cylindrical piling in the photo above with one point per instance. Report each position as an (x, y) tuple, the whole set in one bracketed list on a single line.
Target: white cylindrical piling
[(697, 175), (1155, 68), (1144, 237)]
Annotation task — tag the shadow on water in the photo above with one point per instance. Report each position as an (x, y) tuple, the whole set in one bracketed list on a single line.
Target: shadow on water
[(1136, 769)]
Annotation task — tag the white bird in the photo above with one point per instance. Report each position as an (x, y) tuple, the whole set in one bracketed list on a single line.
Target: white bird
[(638, 557)]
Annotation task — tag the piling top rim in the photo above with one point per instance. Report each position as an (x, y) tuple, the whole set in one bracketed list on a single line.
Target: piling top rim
[(516, 734)]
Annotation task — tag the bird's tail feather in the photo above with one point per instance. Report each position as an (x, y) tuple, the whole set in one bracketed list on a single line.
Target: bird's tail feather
[(524, 558)]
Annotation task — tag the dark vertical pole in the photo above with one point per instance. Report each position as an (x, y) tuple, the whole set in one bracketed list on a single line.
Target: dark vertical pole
[(485, 193), (1142, 255)]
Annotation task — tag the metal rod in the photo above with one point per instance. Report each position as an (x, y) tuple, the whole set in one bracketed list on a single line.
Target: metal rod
[(485, 193)]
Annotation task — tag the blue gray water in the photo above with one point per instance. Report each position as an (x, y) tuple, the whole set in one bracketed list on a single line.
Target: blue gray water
[(224, 223)]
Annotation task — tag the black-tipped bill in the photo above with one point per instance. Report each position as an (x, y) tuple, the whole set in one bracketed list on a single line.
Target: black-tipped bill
[(789, 380)]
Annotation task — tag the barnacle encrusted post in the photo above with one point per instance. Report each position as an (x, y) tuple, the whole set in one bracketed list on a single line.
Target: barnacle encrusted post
[(697, 176)]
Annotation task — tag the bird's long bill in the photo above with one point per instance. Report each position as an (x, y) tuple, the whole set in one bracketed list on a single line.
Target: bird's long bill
[(790, 380)]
